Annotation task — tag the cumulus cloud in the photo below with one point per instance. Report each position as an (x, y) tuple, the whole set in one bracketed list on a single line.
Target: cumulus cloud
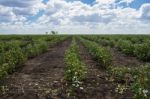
[(94, 18), (126, 1), (19, 3), (105, 1), (104, 16), (24, 7), (60, 10), (145, 11), (7, 15)]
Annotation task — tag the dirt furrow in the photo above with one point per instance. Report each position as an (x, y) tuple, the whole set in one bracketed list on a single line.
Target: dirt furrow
[(120, 59), (39, 78), (95, 85)]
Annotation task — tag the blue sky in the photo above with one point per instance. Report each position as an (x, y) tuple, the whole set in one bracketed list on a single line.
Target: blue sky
[(45, 1), (88, 1), (137, 3), (75, 16)]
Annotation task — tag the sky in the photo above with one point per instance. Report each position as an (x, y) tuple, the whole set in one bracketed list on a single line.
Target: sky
[(75, 16)]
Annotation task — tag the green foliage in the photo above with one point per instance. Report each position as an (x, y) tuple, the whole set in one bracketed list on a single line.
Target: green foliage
[(10, 60), (140, 87), (1, 47), (102, 55), (136, 79), (119, 73), (4, 70), (125, 46), (75, 70), (36, 48), (142, 51), (14, 53)]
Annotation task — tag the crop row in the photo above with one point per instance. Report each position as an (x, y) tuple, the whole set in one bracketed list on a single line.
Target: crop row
[(13, 54), (75, 69), (101, 54), (135, 80), (135, 39), (135, 46), (141, 51)]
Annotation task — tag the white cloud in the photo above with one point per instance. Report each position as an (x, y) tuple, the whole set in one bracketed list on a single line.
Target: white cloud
[(145, 11), (105, 1), (20, 3), (126, 1), (74, 17), (7, 15), (23, 7)]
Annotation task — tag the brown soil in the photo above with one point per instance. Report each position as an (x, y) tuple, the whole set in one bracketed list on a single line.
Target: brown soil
[(40, 77), (120, 59), (95, 85)]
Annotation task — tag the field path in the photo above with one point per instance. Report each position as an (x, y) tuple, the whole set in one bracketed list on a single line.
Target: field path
[(40, 77)]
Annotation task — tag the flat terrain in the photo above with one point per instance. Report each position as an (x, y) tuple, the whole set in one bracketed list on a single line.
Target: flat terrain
[(39, 78), (42, 77), (95, 85)]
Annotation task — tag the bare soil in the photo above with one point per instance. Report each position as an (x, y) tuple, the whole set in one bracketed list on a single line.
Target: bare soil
[(40, 77), (120, 59)]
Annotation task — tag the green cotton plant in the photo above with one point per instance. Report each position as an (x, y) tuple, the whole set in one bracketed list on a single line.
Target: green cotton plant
[(39, 46), (15, 57), (6, 46), (35, 49), (111, 43), (43, 46), (74, 67), (29, 50), (101, 54), (14, 52), (11, 45), (119, 73), (10, 60), (135, 79), (142, 51), (75, 70), (122, 76), (141, 85), (19, 56), (1, 47), (104, 41), (4, 68), (126, 47)]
